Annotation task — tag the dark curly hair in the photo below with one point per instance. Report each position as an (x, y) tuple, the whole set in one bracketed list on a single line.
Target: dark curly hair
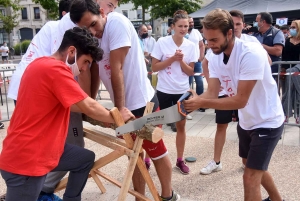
[(79, 7), (83, 41), (64, 5)]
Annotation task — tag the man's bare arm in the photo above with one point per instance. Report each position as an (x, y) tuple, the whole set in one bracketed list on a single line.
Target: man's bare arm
[(95, 79), (211, 93), (202, 50), (84, 81), (93, 109), (276, 50), (238, 101), (117, 58)]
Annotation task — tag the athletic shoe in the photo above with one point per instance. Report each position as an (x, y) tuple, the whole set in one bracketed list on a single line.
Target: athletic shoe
[(48, 197), (173, 127), (184, 169), (148, 164), (175, 197), (189, 117), (1, 125), (211, 167)]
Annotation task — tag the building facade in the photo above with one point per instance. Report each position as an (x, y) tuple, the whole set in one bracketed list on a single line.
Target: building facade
[(31, 19), (4, 37), (135, 16)]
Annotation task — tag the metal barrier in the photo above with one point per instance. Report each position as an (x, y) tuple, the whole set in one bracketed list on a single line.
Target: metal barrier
[(6, 71), (290, 96)]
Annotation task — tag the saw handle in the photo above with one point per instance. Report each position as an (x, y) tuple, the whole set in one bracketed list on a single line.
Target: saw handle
[(181, 109)]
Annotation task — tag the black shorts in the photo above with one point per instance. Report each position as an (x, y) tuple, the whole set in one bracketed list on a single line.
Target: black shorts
[(167, 100), (140, 112), (4, 58), (223, 116), (257, 145)]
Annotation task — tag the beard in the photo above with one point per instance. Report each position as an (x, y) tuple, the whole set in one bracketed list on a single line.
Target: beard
[(221, 49)]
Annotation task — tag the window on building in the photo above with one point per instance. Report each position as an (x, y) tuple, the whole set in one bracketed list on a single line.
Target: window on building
[(2, 12), (139, 14), (37, 13), (37, 30), (24, 14), (125, 12)]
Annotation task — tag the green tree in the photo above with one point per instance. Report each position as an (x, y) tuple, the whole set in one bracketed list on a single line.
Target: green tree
[(145, 4), (10, 21), (51, 6), (165, 8)]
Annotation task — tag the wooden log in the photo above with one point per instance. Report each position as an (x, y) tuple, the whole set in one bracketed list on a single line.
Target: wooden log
[(151, 133)]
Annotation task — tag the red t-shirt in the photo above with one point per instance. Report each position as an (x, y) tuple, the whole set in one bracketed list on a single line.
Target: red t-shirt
[(38, 127)]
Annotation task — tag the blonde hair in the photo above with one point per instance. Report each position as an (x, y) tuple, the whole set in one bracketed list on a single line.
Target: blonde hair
[(297, 22), (218, 19)]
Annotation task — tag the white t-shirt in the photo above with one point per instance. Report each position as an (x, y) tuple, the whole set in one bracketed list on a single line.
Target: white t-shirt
[(149, 43), (119, 32), (172, 80), (208, 56), (195, 36), (246, 37), (40, 45), (4, 50), (64, 24), (248, 61)]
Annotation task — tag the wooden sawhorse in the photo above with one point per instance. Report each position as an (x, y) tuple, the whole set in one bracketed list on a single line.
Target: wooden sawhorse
[(130, 148)]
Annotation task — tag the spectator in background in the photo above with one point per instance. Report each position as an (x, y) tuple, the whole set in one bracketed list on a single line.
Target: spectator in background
[(277, 26), (291, 52), (143, 34), (173, 57), (270, 37), (285, 30), (149, 42), (195, 36), (4, 52)]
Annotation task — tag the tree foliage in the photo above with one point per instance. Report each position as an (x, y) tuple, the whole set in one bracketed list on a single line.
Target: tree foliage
[(165, 8), (10, 21), (51, 6)]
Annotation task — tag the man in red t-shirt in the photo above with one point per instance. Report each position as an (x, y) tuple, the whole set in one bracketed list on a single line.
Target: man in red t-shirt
[(35, 141)]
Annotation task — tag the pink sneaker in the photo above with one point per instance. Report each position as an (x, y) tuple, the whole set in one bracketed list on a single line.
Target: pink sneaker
[(184, 169)]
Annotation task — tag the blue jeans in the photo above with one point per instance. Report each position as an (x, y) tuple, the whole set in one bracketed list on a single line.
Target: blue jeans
[(198, 79)]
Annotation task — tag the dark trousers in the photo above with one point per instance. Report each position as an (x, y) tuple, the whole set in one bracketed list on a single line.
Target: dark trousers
[(77, 160)]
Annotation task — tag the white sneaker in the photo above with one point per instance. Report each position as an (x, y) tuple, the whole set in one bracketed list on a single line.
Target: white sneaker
[(211, 167), (189, 117)]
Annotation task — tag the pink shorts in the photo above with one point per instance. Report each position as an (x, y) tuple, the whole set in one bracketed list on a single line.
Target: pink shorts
[(154, 150)]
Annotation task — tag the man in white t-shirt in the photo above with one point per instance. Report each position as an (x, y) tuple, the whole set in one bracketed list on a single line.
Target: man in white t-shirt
[(149, 42), (223, 117), (4, 52), (123, 72), (243, 70)]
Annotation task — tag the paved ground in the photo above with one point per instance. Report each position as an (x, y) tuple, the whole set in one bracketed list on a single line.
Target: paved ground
[(221, 186)]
